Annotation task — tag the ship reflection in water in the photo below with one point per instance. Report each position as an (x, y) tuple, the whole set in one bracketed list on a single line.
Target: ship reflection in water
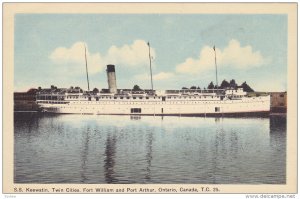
[(121, 149)]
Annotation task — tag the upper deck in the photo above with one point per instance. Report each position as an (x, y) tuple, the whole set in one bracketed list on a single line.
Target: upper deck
[(77, 94)]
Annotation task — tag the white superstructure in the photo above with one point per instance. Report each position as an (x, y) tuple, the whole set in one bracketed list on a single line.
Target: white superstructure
[(169, 102)]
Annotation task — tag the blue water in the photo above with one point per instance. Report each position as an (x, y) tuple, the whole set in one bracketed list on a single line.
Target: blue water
[(123, 149)]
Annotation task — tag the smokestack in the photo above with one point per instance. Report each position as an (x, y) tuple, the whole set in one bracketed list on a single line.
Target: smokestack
[(111, 78)]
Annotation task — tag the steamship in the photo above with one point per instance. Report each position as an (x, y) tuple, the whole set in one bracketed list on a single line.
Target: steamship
[(113, 101)]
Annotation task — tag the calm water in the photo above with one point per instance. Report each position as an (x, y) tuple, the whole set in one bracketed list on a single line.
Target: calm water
[(147, 149)]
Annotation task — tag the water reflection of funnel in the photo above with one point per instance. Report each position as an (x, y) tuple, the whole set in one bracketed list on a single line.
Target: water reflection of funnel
[(109, 161)]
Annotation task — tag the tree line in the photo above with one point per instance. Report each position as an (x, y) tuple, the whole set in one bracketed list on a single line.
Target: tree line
[(225, 84)]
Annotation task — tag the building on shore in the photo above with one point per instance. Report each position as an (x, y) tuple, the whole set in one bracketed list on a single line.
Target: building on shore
[(25, 101), (278, 102)]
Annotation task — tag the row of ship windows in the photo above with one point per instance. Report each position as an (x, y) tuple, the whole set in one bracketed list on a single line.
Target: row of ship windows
[(151, 103), (97, 98), (95, 103), (138, 110), (178, 102), (53, 102), (169, 97)]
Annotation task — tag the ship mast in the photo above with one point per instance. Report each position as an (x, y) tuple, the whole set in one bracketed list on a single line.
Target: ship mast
[(150, 67), (86, 68), (216, 67)]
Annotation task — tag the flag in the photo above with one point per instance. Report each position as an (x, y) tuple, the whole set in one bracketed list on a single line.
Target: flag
[(148, 44), (214, 48)]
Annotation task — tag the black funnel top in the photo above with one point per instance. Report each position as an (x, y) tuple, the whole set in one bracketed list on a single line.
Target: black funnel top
[(110, 68)]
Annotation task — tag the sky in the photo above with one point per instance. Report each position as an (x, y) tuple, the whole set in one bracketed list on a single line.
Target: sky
[(50, 50)]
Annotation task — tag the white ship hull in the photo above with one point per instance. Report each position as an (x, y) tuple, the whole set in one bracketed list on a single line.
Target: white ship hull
[(169, 107)]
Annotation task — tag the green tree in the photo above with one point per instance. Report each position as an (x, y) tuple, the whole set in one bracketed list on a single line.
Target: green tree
[(232, 83), (95, 90), (211, 85), (224, 84), (246, 87), (136, 88)]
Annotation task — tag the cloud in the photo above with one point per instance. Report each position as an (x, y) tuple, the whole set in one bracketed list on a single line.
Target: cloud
[(163, 76), (133, 55), (158, 76), (136, 54), (234, 55), (75, 57), (269, 85)]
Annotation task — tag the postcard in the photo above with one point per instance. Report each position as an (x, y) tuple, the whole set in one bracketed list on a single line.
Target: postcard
[(197, 98)]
